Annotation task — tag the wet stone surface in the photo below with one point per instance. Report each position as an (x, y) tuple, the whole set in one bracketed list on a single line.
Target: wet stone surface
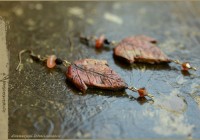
[(42, 102)]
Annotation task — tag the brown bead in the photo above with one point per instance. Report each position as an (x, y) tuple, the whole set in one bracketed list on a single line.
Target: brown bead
[(51, 61), (142, 92), (99, 42), (186, 66)]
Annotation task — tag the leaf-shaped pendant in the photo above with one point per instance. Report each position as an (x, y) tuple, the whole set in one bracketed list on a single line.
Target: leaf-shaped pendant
[(140, 49), (94, 73)]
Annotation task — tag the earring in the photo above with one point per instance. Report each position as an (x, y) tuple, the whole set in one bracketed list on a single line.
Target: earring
[(135, 49), (86, 73)]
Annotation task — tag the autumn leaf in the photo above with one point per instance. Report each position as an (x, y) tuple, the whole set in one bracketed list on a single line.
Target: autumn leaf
[(140, 49), (94, 73)]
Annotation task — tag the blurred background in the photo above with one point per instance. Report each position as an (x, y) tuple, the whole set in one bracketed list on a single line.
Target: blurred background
[(43, 103)]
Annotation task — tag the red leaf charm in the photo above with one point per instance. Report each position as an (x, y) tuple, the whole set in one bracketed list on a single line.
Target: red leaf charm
[(140, 49), (94, 73)]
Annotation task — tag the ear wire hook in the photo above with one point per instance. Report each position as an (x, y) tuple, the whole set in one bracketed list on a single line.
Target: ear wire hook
[(38, 58)]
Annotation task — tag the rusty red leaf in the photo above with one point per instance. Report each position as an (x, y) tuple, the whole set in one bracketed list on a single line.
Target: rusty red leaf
[(94, 73), (140, 49)]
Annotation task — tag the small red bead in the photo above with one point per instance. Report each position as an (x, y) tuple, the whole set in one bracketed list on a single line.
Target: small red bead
[(99, 42), (142, 92), (186, 66), (51, 61)]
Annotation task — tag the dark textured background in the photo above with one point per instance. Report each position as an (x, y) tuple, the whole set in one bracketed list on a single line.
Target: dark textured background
[(42, 102)]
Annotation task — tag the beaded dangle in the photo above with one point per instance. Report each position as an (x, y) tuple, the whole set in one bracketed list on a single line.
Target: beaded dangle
[(135, 49), (86, 73)]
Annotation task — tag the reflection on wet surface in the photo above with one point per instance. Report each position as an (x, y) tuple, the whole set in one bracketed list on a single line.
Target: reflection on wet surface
[(41, 101)]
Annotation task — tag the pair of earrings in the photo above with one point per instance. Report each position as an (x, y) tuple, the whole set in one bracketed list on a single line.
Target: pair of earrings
[(135, 49), (95, 73)]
